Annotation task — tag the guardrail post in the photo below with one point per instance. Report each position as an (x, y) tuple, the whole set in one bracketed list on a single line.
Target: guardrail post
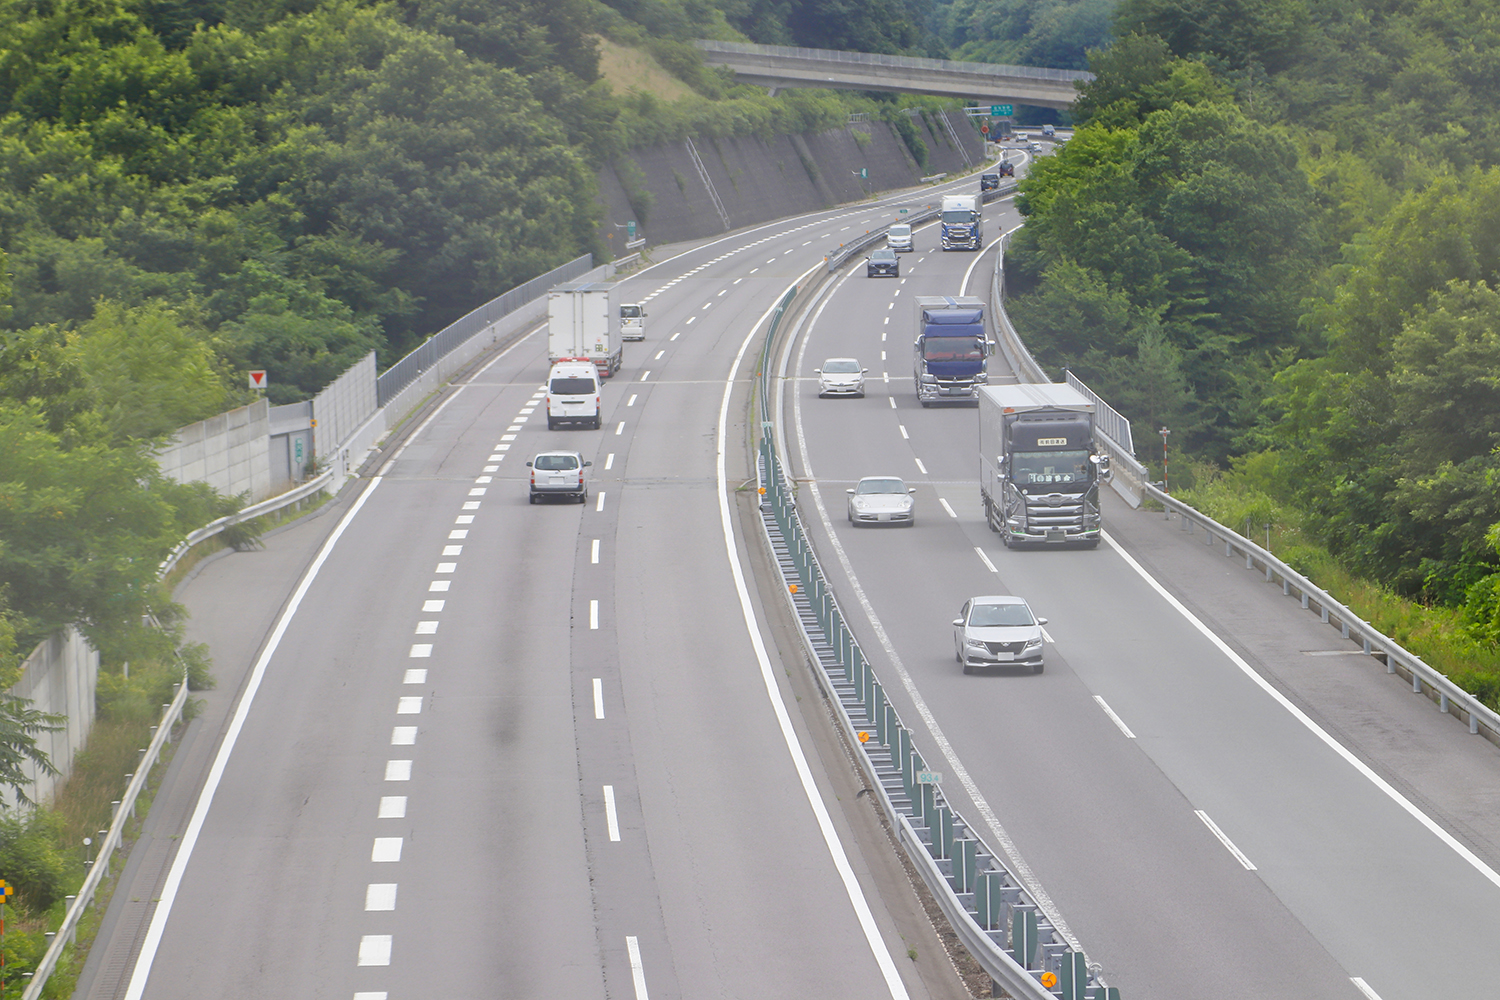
[(987, 901), (1023, 934), (927, 804), (903, 754), (882, 726), (944, 840), (1074, 975)]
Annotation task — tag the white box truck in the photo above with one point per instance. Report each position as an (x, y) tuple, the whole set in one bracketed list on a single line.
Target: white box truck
[(1039, 471), (582, 324)]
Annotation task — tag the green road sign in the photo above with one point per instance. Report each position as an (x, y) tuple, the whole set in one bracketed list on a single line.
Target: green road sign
[(1002, 110), (630, 229), (863, 173), (903, 211)]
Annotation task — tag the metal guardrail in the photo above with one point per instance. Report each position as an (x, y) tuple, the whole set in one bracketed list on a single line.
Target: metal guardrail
[(995, 917), (401, 374), (1450, 698), (212, 528), (67, 933), (902, 62)]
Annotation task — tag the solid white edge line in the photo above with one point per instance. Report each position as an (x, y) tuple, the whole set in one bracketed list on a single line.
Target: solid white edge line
[(951, 512), (1224, 839), (1364, 987), (1119, 722), (610, 819), (158, 926), (1017, 864), (598, 697), (856, 895), (1302, 717), (985, 559), (637, 970)]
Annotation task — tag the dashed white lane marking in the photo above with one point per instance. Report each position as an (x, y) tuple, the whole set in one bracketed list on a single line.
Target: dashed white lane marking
[(658, 355), (1119, 722), (1364, 988), (593, 614), (594, 552), (446, 567), (902, 428), (882, 355), (477, 491), (403, 736), (620, 429), (439, 586), (610, 818), (386, 850), (985, 559), (637, 971), (416, 675), (420, 650), (893, 401), (375, 995), (946, 507), (896, 292), (380, 896), (675, 335), (754, 269), (736, 281), (426, 628), (689, 320), (885, 376), (409, 705), (632, 399), (468, 505), (721, 292), (375, 949), (1223, 839), (609, 460), (398, 770), (645, 374), (453, 550), (600, 504), (433, 605), (920, 465), (598, 697), (392, 807)]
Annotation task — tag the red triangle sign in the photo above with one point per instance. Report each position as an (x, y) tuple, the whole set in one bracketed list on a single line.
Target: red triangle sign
[(258, 378)]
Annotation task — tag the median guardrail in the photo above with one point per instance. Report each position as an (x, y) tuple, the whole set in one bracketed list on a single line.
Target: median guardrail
[(996, 917)]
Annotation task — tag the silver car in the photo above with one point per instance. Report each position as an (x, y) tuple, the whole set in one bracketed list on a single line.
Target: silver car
[(560, 474), (841, 377), (881, 500), (997, 632)]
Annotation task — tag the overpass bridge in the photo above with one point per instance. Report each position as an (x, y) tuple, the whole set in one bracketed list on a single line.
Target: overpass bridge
[(777, 66)]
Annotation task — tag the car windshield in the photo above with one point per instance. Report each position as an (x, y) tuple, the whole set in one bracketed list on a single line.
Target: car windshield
[(1050, 467), (867, 486), (900, 230), (883, 255), (952, 349), (555, 463), (572, 386), (840, 367), (984, 615)]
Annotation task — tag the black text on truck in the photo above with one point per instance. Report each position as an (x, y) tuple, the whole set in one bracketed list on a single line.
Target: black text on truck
[(1039, 471), (950, 358)]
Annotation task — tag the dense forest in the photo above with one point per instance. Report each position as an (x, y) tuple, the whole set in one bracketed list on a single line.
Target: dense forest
[(1277, 234)]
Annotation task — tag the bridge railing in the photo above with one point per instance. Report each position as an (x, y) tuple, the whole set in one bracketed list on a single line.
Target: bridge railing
[(900, 62)]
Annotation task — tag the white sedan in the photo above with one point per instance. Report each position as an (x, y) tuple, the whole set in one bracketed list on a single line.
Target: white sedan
[(841, 377), (882, 500)]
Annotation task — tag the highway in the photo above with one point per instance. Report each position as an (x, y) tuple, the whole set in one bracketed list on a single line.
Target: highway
[(496, 749), (500, 749), (1195, 836)]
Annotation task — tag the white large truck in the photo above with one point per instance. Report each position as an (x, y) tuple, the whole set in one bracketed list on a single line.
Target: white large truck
[(582, 324), (960, 226), (1039, 470)]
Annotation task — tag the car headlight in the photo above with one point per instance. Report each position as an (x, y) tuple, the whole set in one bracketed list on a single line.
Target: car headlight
[(977, 643), (1031, 643)]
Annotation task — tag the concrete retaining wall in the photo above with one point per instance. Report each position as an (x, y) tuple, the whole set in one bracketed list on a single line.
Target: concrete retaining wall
[(758, 180), (230, 452), (59, 678)]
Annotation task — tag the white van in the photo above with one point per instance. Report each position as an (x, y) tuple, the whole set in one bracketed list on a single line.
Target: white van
[(632, 321), (898, 238), (573, 395)]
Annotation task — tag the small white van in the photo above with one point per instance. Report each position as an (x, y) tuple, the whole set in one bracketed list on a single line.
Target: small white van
[(898, 238), (573, 394)]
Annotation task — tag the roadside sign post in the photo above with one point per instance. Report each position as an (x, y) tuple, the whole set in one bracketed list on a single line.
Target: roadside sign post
[(258, 378), (1002, 110)]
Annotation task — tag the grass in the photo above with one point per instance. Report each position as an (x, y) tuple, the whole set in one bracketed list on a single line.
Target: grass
[(627, 69)]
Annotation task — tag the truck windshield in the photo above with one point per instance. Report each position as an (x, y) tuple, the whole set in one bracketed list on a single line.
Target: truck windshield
[(953, 349), (1045, 467), (960, 216), (630, 312)]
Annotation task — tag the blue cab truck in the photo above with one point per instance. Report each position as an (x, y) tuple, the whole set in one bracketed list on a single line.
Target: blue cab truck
[(950, 357)]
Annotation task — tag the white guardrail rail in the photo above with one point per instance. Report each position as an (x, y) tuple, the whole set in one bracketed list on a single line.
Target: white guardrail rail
[(1132, 480)]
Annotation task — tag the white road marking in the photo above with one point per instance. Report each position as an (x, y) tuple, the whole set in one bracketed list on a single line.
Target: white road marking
[(426, 628), (380, 896), (386, 850), (920, 465), (885, 376), (675, 335), (594, 552), (484, 479), (404, 736), (593, 614), (600, 504), (598, 697), (645, 374), (1214, 829), (375, 949), (689, 321), (658, 355), (420, 650), (416, 675), (620, 429), (494, 468), (374, 995), (946, 507), (893, 401), (453, 550), (433, 605), (902, 428), (446, 567), (477, 491), (609, 460), (392, 807), (1302, 717), (398, 770), (467, 518), (722, 291), (609, 813), (637, 971), (985, 559), (631, 400), (495, 458), (1119, 722), (882, 355), (409, 705), (458, 534), (1364, 988)]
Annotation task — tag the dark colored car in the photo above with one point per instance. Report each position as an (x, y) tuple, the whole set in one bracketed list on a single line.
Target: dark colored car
[(989, 181), (1006, 168), (883, 261)]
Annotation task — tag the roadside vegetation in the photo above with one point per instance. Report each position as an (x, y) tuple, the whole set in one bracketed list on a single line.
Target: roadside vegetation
[(1274, 233)]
